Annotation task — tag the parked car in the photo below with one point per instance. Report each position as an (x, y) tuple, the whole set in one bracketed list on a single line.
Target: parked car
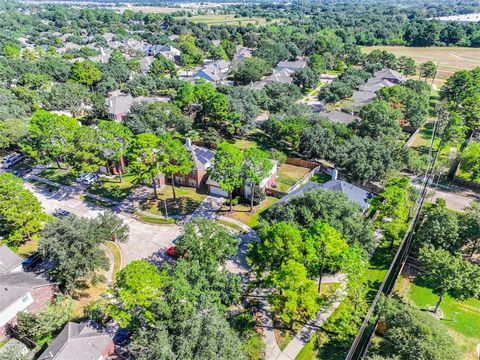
[(172, 252), (31, 261), (90, 179), (12, 159), (60, 213), (122, 336), (80, 177), (22, 173)]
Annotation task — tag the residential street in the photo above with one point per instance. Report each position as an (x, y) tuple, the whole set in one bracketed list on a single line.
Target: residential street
[(146, 241), (456, 198)]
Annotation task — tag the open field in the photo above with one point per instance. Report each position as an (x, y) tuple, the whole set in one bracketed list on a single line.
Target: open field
[(149, 9), (226, 19), (451, 59), (462, 318)]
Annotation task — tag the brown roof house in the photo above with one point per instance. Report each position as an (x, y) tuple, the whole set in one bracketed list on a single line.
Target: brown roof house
[(20, 291), (85, 341)]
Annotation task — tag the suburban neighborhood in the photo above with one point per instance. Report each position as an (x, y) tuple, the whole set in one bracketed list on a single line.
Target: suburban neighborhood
[(278, 181)]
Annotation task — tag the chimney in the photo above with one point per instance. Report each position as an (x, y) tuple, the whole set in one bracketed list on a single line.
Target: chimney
[(334, 174), (188, 142)]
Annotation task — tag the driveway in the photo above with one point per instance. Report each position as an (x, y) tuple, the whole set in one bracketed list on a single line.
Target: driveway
[(146, 241)]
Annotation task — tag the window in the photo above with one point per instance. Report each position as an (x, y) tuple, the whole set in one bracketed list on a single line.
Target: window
[(25, 299)]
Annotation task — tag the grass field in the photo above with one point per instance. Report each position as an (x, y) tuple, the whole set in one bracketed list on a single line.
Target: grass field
[(226, 19), (288, 175), (242, 212), (451, 59), (462, 318)]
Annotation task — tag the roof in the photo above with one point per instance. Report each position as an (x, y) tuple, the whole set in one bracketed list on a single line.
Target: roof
[(389, 74), (145, 63), (242, 53), (119, 104), (362, 97), (338, 116), (282, 76), (8, 260), (373, 85), (15, 285), (202, 157), (214, 71), (85, 341), (353, 193), (294, 65)]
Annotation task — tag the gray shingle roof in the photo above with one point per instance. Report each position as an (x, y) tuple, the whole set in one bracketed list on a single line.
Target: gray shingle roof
[(85, 341), (8, 260), (293, 65), (338, 116), (15, 285), (353, 193)]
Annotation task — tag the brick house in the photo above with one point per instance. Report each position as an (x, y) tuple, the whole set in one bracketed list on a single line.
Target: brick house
[(21, 291), (80, 341), (202, 161)]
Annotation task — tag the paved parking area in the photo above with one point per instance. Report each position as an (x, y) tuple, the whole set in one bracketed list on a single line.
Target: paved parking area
[(146, 241)]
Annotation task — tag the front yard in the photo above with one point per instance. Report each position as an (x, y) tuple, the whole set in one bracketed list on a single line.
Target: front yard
[(61, 176), (242, 212), (111, 187), (187, 201)]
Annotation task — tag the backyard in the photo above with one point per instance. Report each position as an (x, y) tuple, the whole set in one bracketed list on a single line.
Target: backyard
[(288, 175)]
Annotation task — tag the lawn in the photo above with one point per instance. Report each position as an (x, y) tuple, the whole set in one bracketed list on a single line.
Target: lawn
[(242, 212), (227, 19), (288, 175), (255, 139), (451, 59), (83, 297), (231, 225), (27, 248), (422, 140), (117, 256), (321, 178), (153, 220), (111, 187), (464, 326), (96, 201), (187, 201), (61, 176)]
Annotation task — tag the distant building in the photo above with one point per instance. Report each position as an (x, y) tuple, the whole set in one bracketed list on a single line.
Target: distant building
[(118, 106), (283, 76), (168, 51), (339, 116), (242, 53), (215, 72), (292, 65), (80, 342), (145, 64)]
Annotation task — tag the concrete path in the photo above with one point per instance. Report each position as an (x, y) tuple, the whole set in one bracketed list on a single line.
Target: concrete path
[(207, 209)]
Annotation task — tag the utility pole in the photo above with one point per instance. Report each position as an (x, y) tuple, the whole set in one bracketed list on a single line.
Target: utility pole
[(321, 268)]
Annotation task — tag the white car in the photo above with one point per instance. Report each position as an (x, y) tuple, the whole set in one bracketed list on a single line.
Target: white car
[(90, 179), (80, 177)]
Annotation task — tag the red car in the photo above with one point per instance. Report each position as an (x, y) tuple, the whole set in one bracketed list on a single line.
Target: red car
[(171, 252)]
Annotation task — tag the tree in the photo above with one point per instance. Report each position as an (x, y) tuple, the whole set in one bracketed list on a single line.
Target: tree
[(161, 66), (174, 159), (316, 63), (157, 118), (115, 140), (256, 167), (413, 334), (21, 214), (406, 65), (470, 160), (138, 292), (152, 344), (111, 227), (69, 96), (441, 229), (379, 119), (428, 70), (207, 243), (73, 245), (448, 274), (279, 242), (42, 327), (145, 156), (251, 70), (51, 137), (305, 78), (190, 56), (85, 72), (325, 250), (297, 294), (87, 156), (12, 131), (335, 91), (470, 226), (227, 168)]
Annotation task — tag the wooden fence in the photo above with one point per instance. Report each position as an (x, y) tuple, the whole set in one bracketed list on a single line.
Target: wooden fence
[(302, 163)]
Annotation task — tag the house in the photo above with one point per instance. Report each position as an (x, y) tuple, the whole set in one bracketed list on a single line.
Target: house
[(214, 72), (118, 106), (202, 162), (292, 65), (145, 64), (339, 116), (134, 44), (281, 76), (19, 292), (242, 53), (85, 341), (9, 261), (173, 37), (168, 51), (216, 42), (266, 183), (354, 193), (102, 58)]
